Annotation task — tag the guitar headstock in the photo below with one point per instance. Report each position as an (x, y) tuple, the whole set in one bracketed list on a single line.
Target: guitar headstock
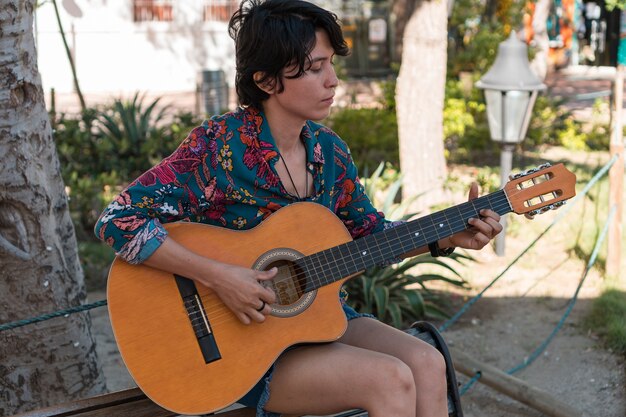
[(540, 189)]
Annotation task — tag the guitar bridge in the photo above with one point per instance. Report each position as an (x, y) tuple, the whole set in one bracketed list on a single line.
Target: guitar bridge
[(198, 319)]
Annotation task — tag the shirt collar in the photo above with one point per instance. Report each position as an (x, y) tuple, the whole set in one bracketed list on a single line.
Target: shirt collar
[(309, 136)]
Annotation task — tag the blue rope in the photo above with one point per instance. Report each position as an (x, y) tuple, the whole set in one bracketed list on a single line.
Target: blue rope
[(43, 317), (537, 352), (469, 384), (472, 301), (590, 263), (558, 218)]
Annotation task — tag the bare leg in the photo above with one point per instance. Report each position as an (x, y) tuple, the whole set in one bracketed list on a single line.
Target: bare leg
[(426, 363), (326, 379), (373, 366)]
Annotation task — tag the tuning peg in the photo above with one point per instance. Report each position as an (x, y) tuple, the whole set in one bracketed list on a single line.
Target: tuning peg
[(530, 171), (531, 214)]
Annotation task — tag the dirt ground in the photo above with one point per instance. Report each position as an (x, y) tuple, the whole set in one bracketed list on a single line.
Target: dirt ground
[(508, 323), (517, 315)]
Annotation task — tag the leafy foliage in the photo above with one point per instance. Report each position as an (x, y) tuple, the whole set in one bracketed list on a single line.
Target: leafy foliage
[(466, 129), (613, 4), (476, 28), (134, 134), (372, 133), (608, 319), (84, 158), (465, 120)]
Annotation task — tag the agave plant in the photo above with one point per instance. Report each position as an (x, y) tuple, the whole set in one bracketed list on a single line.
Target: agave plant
[(130, 130), (399, 294)]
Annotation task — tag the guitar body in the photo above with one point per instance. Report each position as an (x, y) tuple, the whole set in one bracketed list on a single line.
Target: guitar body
[(153, 331)]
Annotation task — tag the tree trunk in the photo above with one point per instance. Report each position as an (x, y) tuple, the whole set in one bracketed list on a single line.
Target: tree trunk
[(420, 99), (55, 360)]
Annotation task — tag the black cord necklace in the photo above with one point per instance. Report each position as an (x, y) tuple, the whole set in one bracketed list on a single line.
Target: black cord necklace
[(293, 184)]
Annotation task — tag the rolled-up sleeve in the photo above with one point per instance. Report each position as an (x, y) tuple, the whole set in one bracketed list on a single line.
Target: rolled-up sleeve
[(133, 222)]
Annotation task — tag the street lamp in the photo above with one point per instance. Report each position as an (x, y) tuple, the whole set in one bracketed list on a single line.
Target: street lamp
[(510, 91)]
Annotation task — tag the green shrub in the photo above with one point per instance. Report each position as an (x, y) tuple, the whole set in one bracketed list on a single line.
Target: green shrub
[(572, 136), (608, 319), (479, 53), (475, 30), (466, 129), (399, 294), (371, 133), (553, 124), (547, 121), (465, 121), (83, 158), (134, 135), (598, 129)]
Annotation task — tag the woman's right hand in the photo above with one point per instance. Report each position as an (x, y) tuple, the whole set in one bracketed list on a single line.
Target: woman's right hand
[(241, 291), (239, 288)]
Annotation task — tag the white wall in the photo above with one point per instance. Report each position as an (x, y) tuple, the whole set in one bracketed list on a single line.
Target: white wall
[(115, 55)]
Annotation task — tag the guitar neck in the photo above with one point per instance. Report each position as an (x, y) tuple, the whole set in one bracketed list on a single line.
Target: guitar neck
[(341, 261)]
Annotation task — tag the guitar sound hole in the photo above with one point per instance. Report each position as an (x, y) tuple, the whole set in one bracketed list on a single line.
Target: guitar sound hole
[(289, 283)]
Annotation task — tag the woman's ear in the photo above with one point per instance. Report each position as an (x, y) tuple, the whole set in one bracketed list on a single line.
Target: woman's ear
[(268, 85)]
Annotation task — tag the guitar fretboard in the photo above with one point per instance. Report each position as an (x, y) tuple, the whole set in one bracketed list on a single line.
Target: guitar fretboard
[(335, 263)]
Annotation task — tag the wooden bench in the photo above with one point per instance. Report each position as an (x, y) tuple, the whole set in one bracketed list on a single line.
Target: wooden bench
[(134, 403), (131, 402)]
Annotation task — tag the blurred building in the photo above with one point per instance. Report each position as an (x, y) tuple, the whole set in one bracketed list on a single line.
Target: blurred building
[(124, 46)]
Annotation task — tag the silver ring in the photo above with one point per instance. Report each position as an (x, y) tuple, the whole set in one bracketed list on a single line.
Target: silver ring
[(262, 307)]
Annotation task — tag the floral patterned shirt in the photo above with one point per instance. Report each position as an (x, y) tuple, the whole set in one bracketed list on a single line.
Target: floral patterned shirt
[(224, 174)]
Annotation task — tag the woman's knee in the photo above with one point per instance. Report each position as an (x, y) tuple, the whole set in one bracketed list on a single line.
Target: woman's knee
[(427, 363), (393, 375)]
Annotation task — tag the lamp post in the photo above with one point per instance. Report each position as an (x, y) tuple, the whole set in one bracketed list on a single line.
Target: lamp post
[(510, 91)]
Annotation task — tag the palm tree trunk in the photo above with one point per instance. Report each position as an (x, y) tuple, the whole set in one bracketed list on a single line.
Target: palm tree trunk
[(55, 360)]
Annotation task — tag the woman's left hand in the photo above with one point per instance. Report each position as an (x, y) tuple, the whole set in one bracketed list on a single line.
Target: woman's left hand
[(482, 229)]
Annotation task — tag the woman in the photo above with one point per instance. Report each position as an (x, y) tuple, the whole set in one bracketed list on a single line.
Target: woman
[(237, 169)]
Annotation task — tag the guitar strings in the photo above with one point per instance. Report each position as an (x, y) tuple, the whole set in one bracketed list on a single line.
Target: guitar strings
[(377, 250), (217, 312), (504, 204)]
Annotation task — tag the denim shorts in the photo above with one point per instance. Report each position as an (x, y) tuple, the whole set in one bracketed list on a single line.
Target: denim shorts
[(258, 396)]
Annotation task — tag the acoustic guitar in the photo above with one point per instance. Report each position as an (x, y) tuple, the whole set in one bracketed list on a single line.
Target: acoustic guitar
[(190, 354)]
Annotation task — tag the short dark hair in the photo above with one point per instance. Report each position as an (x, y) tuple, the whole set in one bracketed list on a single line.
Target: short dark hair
[(269, 35)]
